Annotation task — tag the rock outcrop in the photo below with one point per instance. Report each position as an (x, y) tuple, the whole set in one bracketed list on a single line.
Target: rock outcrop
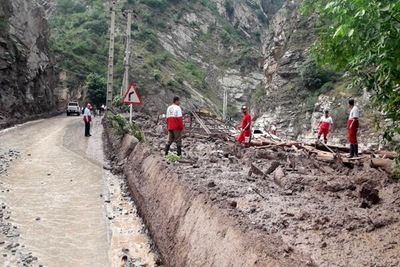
[(26, 73)]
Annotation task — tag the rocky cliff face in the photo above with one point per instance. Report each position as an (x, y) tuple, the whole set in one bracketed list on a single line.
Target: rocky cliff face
[(288, 39), (26, 75), (297, 91)]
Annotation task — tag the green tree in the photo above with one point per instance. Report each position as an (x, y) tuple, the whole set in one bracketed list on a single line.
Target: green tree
[(362, 38), (96, 89)]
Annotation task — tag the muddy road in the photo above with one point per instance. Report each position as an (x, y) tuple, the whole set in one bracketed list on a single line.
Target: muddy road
[(59, 206)]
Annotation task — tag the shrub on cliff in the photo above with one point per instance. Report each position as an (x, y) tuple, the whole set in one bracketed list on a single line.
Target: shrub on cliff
[(121, 127)]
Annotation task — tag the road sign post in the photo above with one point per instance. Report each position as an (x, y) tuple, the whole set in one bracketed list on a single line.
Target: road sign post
[(130, 113), (131, 97)]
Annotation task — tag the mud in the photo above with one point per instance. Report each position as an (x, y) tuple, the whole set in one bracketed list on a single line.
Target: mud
[(323, 214), (61, 207)]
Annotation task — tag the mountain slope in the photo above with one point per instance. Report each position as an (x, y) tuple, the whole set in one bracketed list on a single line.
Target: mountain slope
[(26, 72)]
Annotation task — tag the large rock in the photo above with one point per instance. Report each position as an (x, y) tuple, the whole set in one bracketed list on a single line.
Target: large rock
[(26, 72)]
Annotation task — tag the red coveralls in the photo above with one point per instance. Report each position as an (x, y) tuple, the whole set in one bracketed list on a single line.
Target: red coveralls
[(352, 128), (325, 124), (246, 129)]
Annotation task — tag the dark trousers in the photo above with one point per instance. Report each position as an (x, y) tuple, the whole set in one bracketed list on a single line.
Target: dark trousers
[(87, 128), (174, 136)]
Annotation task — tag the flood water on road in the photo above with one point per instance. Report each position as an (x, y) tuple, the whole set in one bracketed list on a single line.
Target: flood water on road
[(66, 209)]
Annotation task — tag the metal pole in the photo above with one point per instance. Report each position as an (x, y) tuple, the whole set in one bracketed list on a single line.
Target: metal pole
[(130, 113), (225, 105), (125, 81), (110, 75)]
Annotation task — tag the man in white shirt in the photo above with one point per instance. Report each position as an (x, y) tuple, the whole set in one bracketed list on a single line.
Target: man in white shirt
[(87, 118), (352, 128), (174, 126)]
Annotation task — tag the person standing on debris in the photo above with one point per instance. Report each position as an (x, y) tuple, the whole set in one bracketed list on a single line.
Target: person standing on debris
[(273, 129), (175, 126), (325, 124), (87, 118), (245, 128), (352, 128)]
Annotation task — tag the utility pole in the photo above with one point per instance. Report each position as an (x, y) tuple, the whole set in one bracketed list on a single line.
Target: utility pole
[(125, 82), (110, 75), (225, 105)]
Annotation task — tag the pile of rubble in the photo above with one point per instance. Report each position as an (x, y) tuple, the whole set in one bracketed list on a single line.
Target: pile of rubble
[(339, 211)]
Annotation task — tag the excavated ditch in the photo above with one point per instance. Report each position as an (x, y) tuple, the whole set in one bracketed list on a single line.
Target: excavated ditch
[(215, 208)]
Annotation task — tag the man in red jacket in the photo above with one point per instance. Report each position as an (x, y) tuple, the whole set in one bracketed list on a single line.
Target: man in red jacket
[(325, 124), (175, 126), (245, 128)]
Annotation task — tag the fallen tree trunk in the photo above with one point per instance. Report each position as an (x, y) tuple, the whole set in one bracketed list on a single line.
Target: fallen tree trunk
[(384, 164), (387, 154)]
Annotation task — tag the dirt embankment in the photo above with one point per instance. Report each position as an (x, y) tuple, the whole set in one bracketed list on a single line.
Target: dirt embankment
[(188, 227), (277, 202)]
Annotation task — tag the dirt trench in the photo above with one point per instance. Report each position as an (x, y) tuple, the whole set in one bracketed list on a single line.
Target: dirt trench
[(187, 227)]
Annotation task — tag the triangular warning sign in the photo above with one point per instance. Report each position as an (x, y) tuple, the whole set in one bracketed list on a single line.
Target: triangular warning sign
[(131, 96)]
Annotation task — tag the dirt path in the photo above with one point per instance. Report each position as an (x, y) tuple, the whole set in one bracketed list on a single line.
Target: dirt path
[(53, 195)]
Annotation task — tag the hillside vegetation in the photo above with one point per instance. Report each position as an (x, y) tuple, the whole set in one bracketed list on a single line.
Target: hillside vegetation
[(178, 47)]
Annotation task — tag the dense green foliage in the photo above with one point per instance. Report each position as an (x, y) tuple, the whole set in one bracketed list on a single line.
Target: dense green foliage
[(96, 89), (78, 36), (121, 127), (362, 38), (3, 24), (314, 76)]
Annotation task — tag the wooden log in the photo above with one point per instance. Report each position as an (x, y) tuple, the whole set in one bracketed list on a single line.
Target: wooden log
[(384, 164), (255, 170), (326, 147), (387, 154), (257, 143), (325, 156)]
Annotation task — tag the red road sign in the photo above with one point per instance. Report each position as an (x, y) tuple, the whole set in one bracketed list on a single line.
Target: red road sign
[(131, 96)]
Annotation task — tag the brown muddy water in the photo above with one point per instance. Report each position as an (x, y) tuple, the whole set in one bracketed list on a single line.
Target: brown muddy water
[(60, 207)]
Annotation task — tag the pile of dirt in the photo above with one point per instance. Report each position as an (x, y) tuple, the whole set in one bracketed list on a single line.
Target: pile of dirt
[(337, 214)]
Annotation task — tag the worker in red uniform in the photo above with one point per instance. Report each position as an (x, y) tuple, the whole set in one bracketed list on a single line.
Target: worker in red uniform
[(352, 128), (273, 129), (245, 128), (175, 126), (325, 124)]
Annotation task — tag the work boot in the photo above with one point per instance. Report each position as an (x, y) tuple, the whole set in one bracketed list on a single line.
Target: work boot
[(179, 151), (356, 150), (351, 151), (167, 146), (326, 141)]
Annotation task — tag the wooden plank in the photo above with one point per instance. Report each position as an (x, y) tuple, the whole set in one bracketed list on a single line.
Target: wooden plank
[(201, 122)]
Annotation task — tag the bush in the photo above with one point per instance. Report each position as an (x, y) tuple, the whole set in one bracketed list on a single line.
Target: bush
[(262, 17), (229, 8), (96, 89), (313, 76), (3, 24), (121, 127), (160, 5)]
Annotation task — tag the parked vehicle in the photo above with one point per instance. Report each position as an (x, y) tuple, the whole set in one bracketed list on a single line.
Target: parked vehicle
[(73, 108)]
